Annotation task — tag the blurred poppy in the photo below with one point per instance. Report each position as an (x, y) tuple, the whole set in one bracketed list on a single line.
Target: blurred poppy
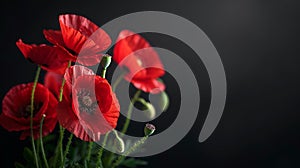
[(142, 62)]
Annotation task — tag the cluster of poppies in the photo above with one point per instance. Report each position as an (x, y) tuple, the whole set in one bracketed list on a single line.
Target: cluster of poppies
[(73, 94)]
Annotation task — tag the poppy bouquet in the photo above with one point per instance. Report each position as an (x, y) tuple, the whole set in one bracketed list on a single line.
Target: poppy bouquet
[(78, 102)]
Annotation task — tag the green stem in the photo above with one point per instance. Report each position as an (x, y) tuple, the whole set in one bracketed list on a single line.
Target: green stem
[(90, 147), (67, 149), (117, 82), (59, 147), (31, 113), (61, 91), (41, 141), (99, 161), (129, 151), (129, 112), (103, 72)]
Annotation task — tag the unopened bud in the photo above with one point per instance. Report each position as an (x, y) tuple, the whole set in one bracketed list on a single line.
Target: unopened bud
[(119, 144), (105, 61), (149, 129)]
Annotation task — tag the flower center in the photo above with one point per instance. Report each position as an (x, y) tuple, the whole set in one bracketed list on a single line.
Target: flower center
[(26, 111), (86, 103)]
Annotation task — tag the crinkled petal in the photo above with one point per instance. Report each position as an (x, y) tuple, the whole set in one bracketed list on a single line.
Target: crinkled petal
[(46, 56), (82, 35)]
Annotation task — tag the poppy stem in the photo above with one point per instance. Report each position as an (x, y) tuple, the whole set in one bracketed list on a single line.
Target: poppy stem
[(117, 81), (41, 141), (36, 78), (103, 72), (61, 91), (99, 161), (90, 147), (59, 147), (129, 112), (129, 151), (67, 149)]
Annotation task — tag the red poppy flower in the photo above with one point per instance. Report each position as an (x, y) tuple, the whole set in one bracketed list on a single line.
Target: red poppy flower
[(15, 114), (53, 82), (80, 38), (44, 55), (134, 53), (90, 108)]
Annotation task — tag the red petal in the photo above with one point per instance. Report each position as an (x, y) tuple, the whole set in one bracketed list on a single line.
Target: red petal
[(46, 56), (17, 99), (74, 72), (80, 33), (53, 82), (139, 55), (54, 37), (69, 120), (150, 86), (105, 116)]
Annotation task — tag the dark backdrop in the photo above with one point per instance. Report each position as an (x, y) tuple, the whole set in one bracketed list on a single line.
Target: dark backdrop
[(258, 42)]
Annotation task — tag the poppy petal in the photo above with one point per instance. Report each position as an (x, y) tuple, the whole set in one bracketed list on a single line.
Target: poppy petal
[(149, 86), (79, 33), (134, 52), (46, 56)]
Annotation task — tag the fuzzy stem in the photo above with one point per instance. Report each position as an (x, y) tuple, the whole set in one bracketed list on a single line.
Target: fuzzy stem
[(90, 147), (99, 161), (129, 151), (67, 149), (59, 147), (31, 113), (41, 141), (129, 112)]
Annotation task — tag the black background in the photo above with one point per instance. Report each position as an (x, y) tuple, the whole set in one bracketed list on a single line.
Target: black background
[(258, 42)]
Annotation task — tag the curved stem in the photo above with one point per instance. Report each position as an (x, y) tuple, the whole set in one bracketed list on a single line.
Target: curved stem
[(129, 112), (41, 141), (117, 82), (129, 151), (31, 113), (99, 161)]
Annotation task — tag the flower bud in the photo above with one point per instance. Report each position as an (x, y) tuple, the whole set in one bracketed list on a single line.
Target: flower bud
[(105, 61), (119, 144), (149, 129)]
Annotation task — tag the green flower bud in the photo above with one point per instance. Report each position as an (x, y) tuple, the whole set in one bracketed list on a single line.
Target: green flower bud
[(119, 144), (105, 61), (149, 129)]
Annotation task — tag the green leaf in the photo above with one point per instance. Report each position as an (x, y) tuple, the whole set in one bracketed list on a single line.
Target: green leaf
[(28, 154), (19, 165), (133, 163)]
